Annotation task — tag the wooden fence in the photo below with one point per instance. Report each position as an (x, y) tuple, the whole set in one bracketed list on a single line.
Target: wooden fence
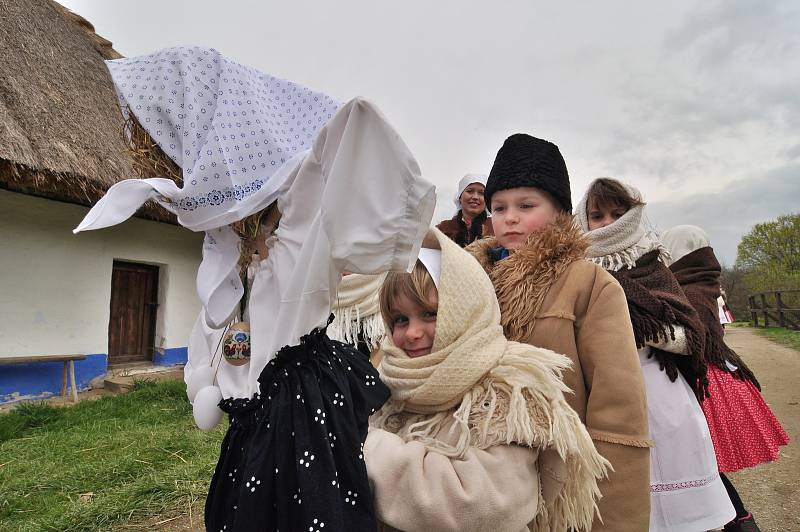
[(771, 309)]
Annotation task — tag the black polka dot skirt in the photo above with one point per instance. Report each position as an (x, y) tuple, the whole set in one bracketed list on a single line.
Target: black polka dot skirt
[(292, 459)]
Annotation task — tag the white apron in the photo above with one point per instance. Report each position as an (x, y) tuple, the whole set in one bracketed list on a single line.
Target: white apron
[(686, 492)]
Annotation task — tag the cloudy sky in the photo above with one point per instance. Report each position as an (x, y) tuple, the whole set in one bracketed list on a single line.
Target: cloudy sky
[(695, 102)]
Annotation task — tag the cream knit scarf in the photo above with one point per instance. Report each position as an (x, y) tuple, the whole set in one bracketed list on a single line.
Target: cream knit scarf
[(488, 391), (357, 310), (620, 244)]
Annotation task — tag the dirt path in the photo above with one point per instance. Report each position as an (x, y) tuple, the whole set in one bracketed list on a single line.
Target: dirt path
[(772, 491)]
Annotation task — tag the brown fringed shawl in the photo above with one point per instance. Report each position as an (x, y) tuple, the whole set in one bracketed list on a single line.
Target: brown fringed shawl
[(698, 274), (656, 304), (460, 233)]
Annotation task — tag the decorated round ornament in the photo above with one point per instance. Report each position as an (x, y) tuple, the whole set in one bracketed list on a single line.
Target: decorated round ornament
[(236, 344)]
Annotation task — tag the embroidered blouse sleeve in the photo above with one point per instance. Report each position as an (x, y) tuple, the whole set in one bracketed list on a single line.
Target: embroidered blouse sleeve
[(677, 345), (375, 208), (418, 489)]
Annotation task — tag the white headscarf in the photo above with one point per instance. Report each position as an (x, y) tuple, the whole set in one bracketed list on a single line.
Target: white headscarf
[(236, 132), (238, 135), (682, 240), (432, 260), (466, 181), (620, 244)]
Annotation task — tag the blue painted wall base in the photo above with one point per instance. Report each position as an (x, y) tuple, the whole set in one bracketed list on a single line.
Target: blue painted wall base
[(171, 356), (44, 379)]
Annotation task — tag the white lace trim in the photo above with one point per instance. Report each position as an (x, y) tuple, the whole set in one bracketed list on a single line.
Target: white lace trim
[(688, 484)]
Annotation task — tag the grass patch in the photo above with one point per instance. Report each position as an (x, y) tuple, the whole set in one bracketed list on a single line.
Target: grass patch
[(26, 417), (101, 464), (782, 336), (738, 324)]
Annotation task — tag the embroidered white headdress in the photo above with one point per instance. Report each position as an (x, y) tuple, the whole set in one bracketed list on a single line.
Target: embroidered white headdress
[(237, 134)]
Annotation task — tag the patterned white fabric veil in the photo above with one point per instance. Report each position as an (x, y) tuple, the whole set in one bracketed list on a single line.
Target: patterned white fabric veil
[(231, 129), (237, 134)]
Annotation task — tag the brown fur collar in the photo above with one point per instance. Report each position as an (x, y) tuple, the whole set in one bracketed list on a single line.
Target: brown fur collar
[(522, 280)]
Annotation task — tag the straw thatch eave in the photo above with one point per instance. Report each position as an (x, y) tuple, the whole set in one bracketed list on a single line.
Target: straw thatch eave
[(61, 128)]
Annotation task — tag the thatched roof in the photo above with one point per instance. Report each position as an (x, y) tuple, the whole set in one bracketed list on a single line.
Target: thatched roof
[(61, 128)]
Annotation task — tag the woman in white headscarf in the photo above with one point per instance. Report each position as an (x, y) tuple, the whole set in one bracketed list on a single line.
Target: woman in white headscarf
[(471, 220), (743, 429)]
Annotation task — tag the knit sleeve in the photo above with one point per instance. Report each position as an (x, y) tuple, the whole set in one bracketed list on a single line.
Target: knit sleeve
[(676, 345), (616, 409), (418, 489)]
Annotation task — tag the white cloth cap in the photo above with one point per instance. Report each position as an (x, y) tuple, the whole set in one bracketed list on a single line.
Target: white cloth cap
[(466, 181), (684, 239), (232, 129), (432, 260)]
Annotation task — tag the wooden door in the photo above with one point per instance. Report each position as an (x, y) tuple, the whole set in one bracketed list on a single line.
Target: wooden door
[(134, 303)]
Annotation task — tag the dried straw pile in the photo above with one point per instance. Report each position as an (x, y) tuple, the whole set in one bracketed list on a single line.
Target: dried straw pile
[(62, 134)]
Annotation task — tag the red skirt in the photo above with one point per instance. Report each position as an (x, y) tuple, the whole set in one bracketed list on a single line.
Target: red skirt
[(744, 430)]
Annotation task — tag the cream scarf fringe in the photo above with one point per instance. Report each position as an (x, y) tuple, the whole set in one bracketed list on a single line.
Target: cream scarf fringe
[(477, 389), (520, 401), (357, 310), (620, 244)]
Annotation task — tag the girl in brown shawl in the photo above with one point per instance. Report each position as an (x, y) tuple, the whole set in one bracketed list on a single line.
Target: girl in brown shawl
[(744, 430), (685, 487)]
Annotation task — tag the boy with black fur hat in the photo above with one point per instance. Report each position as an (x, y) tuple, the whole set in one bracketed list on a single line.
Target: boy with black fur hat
[(551, 297)]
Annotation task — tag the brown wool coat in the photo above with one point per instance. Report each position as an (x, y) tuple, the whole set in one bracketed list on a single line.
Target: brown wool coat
[(454, 226), (551, 297)]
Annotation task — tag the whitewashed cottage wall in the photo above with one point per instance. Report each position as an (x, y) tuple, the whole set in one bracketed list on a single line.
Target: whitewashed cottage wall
[(55, 287)]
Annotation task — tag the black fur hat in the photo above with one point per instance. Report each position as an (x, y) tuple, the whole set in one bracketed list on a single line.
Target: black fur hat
[(525, 161)]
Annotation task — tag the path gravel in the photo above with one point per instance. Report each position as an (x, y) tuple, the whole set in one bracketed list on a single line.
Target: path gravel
[(772, 491)]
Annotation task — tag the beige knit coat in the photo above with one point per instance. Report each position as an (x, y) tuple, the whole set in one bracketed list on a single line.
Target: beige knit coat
[(416, 489)]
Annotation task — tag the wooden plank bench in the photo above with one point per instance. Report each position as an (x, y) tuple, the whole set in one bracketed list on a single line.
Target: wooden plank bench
[(69, 363)]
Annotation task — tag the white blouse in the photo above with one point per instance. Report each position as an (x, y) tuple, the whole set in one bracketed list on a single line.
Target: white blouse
[(355, 203)]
